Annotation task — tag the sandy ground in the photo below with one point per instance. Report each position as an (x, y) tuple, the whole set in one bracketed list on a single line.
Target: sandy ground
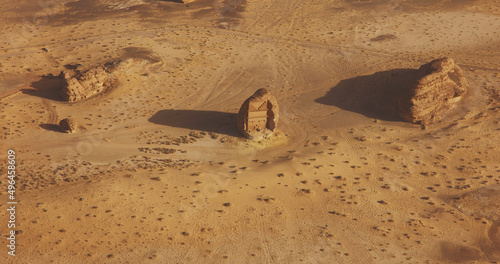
[(344, 180)]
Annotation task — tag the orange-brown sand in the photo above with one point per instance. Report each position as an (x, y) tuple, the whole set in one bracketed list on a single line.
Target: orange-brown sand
[(157, 171)]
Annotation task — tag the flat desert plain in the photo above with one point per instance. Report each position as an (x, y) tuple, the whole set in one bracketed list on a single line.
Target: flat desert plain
[(157, 171)]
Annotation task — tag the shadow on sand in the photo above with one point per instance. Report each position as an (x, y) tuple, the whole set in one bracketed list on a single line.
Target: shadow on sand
[(51, 127), (208, 121), (374, 96), (47, 87)]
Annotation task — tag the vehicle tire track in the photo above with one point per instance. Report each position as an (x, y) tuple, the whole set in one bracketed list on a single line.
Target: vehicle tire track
[(348, 140), (51, 110), (216, 92), (345, 61), (259, 19), (290, 8), (264, 242), (184, 252), (28, 121)]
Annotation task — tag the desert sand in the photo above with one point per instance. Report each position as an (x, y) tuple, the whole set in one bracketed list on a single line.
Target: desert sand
[(156, 170)]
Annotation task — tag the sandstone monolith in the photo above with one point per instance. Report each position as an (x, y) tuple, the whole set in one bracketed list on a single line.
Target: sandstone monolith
[(258, 116), (438, 87), (85, 85)]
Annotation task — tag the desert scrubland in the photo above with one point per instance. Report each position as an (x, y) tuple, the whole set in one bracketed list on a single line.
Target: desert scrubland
[(156, 170)]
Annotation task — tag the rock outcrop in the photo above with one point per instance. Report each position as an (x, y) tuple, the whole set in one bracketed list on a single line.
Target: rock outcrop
[(438, 87), (79, 85), (85, 85), (68, 125), (258, 116)]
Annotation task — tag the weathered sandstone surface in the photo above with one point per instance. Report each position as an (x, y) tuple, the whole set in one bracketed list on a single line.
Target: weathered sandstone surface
[(438, 87), (68, 125), (85, 85), (258, 116)]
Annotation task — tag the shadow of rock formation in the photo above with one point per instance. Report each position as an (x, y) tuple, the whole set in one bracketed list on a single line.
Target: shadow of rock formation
[(374, 96), (48, 87), (208, 121), (52, 127)]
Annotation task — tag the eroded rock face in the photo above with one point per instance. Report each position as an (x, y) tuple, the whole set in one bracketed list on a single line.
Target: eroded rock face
[(258, 116), (68, 125), (438, 87), (81, 85), (85, 85)]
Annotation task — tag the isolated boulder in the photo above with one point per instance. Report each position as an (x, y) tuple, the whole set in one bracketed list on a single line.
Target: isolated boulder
[(85, 85), (258, 116), (439, 86), (68, 125)]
